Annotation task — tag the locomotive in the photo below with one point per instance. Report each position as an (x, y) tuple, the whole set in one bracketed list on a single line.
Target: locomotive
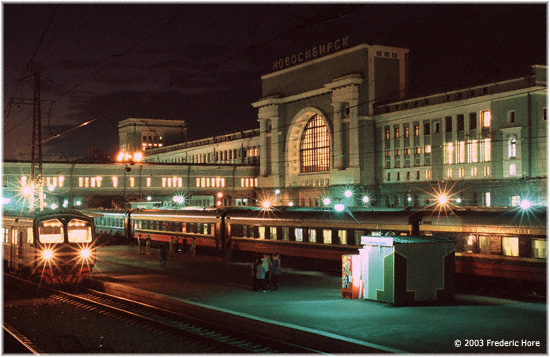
[(54, 247), (500, 243)]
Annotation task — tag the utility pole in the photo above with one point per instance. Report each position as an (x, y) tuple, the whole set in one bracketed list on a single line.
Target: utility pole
[(36, 155)]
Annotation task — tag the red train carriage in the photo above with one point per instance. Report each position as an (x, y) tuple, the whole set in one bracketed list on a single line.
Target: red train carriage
[(316, 234), (54, 247), (505, 244), (203, 226)]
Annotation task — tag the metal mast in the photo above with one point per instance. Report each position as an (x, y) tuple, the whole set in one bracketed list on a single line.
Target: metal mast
[(36, 159)]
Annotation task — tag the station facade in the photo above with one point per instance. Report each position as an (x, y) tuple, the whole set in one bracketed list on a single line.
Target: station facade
[(343, 128)]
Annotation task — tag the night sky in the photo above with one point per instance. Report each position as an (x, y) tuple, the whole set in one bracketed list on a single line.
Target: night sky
[(202, 62)]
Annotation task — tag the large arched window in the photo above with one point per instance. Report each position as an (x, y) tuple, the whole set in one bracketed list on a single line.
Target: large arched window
[(315, 146)]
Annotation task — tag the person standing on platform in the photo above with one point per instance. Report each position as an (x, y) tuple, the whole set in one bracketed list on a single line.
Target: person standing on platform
[(266, 262), (193, 248), (171, 243), (148, 245), (260, 274), (254, 269), (162, 256), (139, 242), (275, 271)]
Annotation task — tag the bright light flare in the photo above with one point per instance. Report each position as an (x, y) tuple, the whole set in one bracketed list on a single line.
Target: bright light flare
[(339, 207), (348, 193), (266, 204), (442, 198), (47, 254), (525, 204), (366, 199), (85, 253), (326, 201)]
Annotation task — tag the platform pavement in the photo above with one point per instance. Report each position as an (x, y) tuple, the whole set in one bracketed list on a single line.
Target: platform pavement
[(312, 300)]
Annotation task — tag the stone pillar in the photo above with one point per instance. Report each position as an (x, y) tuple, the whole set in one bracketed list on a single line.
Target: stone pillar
[(275, 151), (337, 145), (354, 133), (263, 147)]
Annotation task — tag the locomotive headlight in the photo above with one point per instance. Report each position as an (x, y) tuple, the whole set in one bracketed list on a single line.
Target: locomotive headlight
[(47, 254), (85, 253)]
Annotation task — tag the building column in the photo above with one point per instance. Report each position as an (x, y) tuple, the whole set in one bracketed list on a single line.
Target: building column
[(354, 133), (275, 151), (263, 147), (338, 148)]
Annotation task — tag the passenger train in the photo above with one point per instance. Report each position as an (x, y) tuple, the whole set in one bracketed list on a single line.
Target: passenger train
[(507, 244), (55, 247)]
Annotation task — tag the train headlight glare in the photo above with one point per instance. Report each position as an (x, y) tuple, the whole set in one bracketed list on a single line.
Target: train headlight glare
[(47, 254), (339, 207)]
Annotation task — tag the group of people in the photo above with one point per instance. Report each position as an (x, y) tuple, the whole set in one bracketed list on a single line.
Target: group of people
[(145, 248), (266, 271)]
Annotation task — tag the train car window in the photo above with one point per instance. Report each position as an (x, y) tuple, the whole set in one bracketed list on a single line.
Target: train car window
[(327, 236), (5, 235), (255, 232), (312, 234), (484, 245), (30, 236), (50, 231), (299, 234), (279, 233), (539, 248), (286, 233), (273, 233), (79, 231), (510, 246), (342, 236), (469, 243), (236, 230), (14, 233), (358, 235), (261, 232)]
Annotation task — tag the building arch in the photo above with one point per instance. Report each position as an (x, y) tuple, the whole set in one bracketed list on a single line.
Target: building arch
[(294, 139)]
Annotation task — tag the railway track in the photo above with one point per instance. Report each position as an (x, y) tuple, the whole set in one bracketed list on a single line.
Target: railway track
[(214, 337), (135, 318)]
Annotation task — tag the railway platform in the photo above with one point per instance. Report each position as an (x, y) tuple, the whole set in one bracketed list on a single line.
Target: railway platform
[(312, 301)]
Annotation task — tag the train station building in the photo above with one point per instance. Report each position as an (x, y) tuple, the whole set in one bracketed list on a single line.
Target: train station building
[(335, 127)]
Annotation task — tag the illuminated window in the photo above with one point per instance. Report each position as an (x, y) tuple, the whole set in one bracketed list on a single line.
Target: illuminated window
[(473, 151), (407, 132), (512, 148), (115, 181), (488, 199), (148, 182), (450, 153), (516, 200), (396, 133), (342, 236), (261, 232), (428, 174), (461, 172), (512, 169), (417, 130), (449, 173), (510, 246), (427, 149), (273, 233), (487, 170), (314, 146), (50, 231), (539, 248), (486, 118), (299, 234), (474, 171), (486, 150), (312, 235), (461, 152), (132, 182), (387, 134), (327, 236)]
